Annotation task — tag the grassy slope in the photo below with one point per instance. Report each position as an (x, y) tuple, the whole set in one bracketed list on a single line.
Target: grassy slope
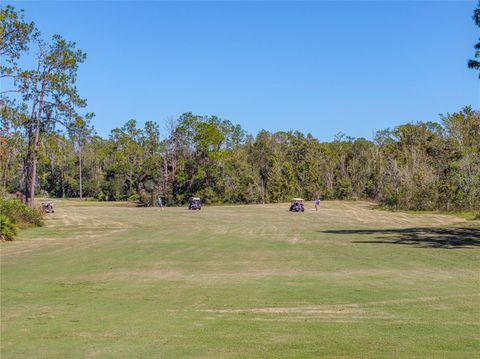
[(245, 281)]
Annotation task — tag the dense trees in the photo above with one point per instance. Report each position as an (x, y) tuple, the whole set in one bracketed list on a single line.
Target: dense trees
[(46, 93), (414, 166)]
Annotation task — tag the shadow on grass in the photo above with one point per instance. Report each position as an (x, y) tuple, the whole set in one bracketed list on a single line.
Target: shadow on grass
[(433, 237)]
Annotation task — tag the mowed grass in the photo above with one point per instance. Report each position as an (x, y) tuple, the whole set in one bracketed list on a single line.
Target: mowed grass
[(104, 281)]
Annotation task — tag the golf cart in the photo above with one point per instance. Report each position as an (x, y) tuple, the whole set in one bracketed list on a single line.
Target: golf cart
[(297, 205), (47, 207), (195, 203)]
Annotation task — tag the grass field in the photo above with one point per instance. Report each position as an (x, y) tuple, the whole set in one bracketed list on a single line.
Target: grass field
[(111, 281)]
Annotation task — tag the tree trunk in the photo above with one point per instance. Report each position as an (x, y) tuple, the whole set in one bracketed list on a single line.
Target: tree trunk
[(62, 182), (131, 173), (165, 173), (33, 173), (263, 189), (27, 163), (80, 169)]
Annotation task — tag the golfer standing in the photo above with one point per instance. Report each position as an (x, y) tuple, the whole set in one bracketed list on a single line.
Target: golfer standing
[(159, 202), (317, 204)]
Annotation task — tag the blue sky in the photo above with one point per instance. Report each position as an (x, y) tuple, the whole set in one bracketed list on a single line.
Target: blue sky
[(318, 67)]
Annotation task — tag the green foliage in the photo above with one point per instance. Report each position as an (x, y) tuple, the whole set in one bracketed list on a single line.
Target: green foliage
[(8, 230), (19, 214), (422, 166), (343, 189), (135, 197), (13, 215), (15, 38), (474, 63), (100, 196)]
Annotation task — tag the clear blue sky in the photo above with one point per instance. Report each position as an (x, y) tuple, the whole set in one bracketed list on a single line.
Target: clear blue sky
[(319, 67)]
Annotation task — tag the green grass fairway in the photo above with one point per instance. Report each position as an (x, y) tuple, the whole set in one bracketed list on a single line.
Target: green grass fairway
[(110, 281)]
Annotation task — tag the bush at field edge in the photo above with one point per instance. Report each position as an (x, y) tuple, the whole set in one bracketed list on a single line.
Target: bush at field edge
[(14, 214)]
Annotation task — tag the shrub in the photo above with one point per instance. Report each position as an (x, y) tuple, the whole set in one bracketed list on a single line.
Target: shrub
[(19, 214), (101, 196), (8, 230), (134, 197)]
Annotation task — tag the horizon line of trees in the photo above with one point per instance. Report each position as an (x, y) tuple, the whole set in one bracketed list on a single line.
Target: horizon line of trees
[(431, 165), (425, 166)]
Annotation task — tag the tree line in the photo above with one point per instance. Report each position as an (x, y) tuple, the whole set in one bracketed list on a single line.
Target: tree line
[(48, 144), (414, 166)]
